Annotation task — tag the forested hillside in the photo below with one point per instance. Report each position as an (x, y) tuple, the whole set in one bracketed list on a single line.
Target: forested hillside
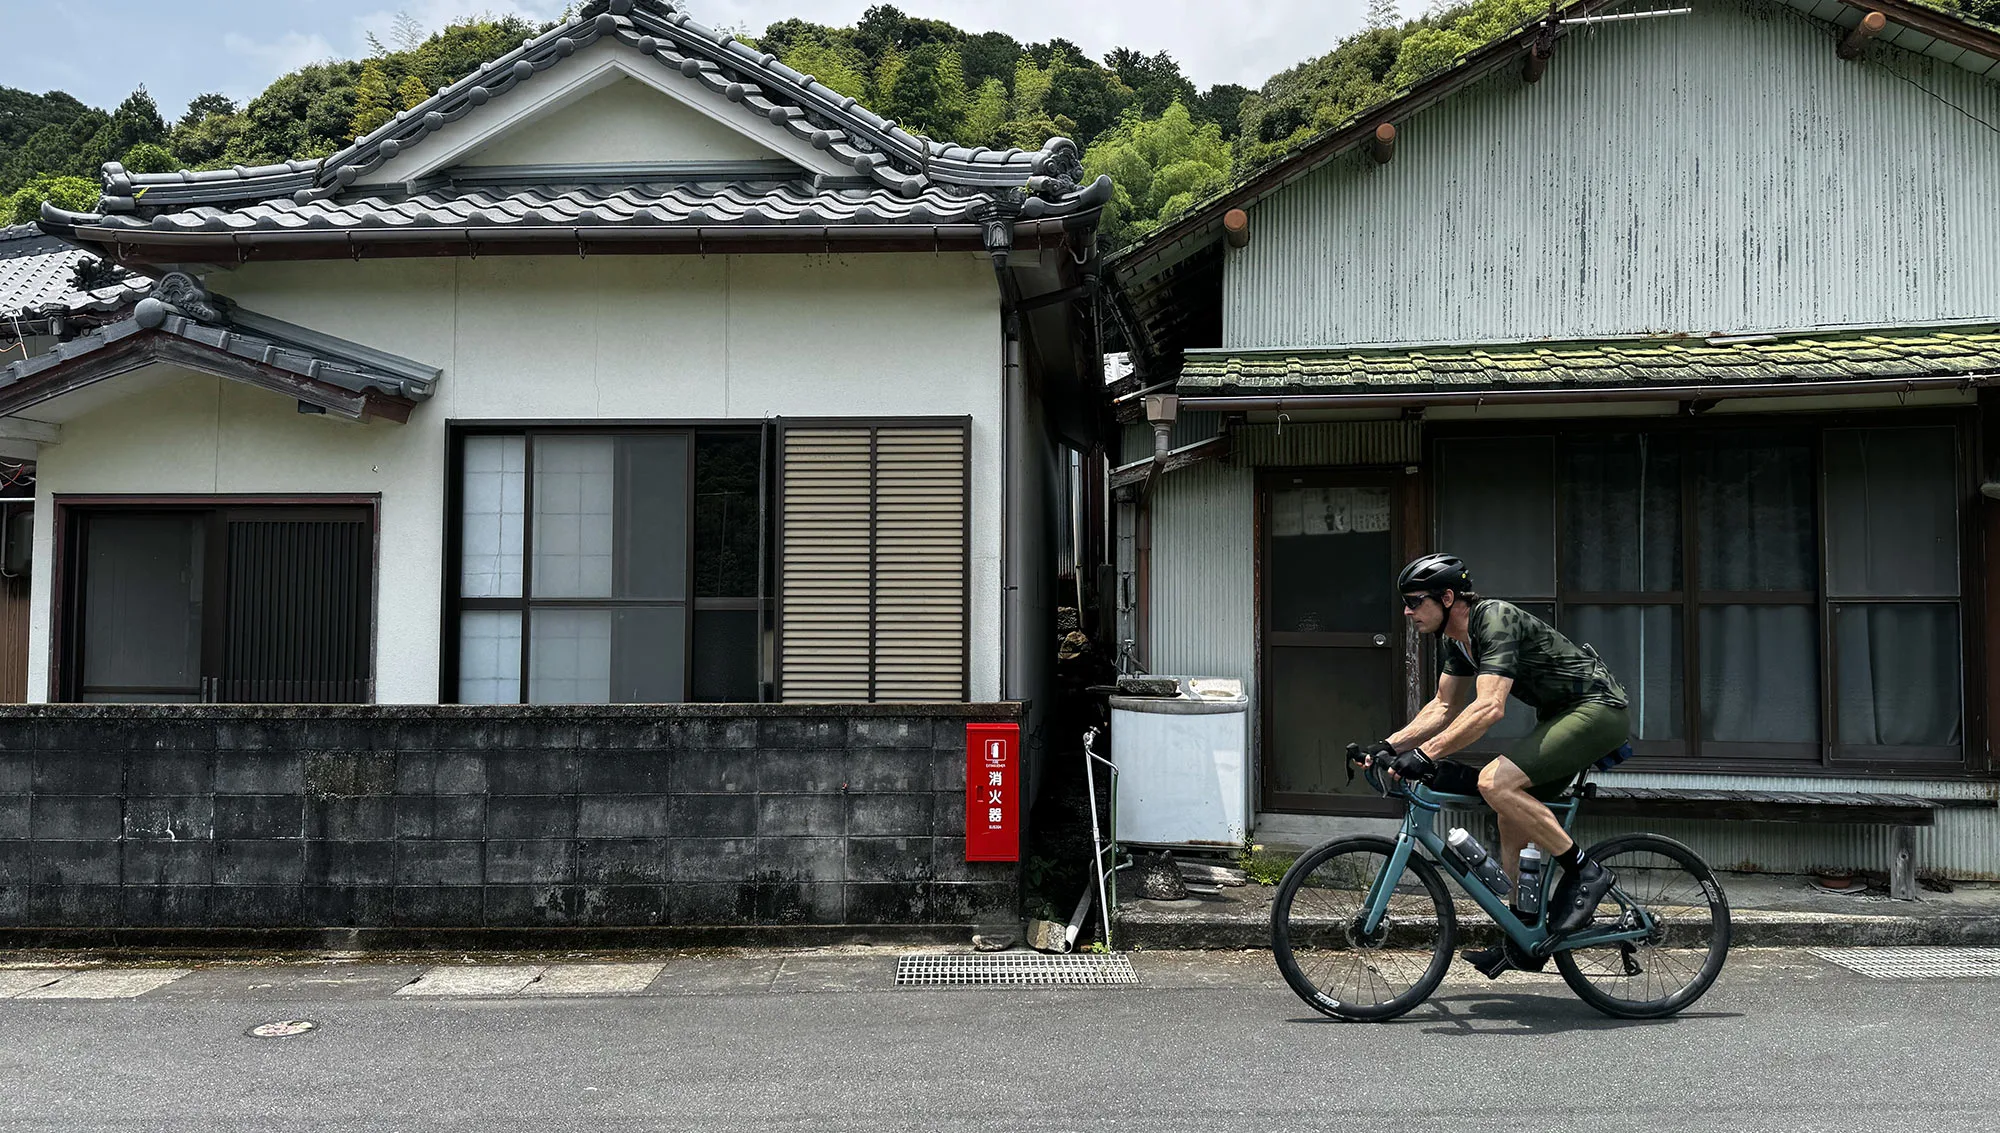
[(1166, 143)]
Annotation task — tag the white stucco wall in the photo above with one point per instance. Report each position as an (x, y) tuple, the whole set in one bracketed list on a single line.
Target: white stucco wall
[(626, 121), (632, 338)]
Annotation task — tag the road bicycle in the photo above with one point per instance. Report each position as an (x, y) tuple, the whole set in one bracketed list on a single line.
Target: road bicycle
[(1363, 927)]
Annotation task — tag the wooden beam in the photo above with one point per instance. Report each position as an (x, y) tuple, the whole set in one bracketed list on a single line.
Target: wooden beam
[(1938, 25), (1236, 227), (22, 429), (1384, 143), (1857, 37)]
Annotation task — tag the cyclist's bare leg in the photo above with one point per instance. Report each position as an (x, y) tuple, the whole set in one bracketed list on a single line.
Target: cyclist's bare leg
[(1523, 817)]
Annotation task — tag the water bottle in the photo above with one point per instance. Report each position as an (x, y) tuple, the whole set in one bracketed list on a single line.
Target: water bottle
[(1477, 860), (1528, 894)]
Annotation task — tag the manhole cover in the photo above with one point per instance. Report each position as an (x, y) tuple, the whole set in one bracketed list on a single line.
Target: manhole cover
[(1917, 963), (282, 1029), (969, 969)]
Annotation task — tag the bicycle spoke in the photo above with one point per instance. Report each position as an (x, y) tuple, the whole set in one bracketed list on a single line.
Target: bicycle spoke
[(1371, 974)]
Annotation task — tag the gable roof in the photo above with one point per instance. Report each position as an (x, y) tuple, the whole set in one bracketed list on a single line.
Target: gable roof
[(1167, 287), (38, 279), (762, 96)]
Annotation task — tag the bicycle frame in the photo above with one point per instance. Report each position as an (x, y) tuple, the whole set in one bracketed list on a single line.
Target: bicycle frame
[(1419, 829)]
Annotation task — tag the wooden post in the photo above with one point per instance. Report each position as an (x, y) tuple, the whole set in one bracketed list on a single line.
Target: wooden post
[(1903, 865), (1385, 143), (1236, 227), (1871, 25)]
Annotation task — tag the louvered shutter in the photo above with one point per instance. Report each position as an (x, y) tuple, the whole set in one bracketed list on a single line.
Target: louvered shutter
[(823, 583), (873, 573)]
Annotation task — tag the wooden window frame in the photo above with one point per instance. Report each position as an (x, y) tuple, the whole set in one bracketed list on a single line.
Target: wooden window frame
[(1827, 757), (65, 651), (454, 604), (875, 425)]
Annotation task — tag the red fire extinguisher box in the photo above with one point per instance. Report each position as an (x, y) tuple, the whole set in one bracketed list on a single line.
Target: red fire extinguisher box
[(993, 792)]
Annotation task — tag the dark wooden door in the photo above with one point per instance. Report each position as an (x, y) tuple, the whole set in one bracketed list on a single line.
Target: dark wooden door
[(1332, 632)]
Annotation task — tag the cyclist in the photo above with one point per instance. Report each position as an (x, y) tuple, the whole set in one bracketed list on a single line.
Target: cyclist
[(1493, 648)]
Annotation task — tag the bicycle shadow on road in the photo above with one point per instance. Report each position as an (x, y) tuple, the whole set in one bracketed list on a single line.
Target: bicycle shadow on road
[(1517, 1013)]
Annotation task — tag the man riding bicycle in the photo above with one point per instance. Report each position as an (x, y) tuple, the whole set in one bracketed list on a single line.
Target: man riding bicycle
[(1491, 649)]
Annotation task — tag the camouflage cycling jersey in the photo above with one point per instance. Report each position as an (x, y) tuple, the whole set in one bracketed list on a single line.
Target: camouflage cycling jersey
[(1551, 673)]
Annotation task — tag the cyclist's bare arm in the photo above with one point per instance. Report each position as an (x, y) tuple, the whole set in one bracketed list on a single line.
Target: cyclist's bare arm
[(1488, 707), (1453, 694)]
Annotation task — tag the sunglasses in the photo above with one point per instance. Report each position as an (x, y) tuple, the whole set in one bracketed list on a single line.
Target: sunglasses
[(1412, 601)]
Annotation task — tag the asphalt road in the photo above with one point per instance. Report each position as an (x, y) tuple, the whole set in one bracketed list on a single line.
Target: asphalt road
[(824, 1042)]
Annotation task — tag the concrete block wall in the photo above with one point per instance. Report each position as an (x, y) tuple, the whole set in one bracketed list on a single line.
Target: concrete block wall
[(710, 820)]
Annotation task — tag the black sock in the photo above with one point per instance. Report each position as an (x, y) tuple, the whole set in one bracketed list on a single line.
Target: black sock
[(1572, 858)]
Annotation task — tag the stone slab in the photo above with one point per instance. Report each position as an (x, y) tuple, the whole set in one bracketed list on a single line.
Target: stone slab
[(594, 979), (472, 980), (106, 983)]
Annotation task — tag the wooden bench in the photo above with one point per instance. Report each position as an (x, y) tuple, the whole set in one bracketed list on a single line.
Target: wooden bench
[(1904, 812)]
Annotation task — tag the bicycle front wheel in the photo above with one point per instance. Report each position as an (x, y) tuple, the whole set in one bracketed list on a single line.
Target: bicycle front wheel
[(1317, 938), (1667, 971)]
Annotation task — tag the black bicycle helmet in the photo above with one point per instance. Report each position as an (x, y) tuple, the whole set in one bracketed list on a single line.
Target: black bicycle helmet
[(1434, 572)]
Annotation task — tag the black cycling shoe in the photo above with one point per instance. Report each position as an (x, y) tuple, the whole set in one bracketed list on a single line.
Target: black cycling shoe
[(1500, 958), (1576, 897)]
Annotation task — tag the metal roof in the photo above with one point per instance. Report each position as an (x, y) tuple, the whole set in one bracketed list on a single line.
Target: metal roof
[(38, 278), (1165, 283), (1802, 357), (767, 95)]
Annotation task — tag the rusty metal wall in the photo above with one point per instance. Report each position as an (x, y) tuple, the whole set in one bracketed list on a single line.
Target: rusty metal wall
[(1712, 172)]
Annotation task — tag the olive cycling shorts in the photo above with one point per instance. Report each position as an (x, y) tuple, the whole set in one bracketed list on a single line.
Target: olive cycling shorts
[(1565, 743)]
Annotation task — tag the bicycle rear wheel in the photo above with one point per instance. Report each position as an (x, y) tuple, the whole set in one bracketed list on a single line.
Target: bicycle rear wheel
[(1317, 939), (1663, 974)]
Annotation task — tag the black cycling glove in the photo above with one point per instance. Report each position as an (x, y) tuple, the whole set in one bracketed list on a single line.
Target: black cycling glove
[(1414, 764), (1379, 753)]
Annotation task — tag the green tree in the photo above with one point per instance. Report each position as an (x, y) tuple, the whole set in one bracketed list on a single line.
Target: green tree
[(992, 55), (840, 67), (24, 205), (204, 106), (149, 157), (206, 142), (371, 101), (1156, 79), (1090, 96), (136, 120), (1159, 167), (987, 116), (412, 93), (924, 91), (1221, 104)]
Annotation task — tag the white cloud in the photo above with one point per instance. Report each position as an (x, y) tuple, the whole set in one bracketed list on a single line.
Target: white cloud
[(287, 53)]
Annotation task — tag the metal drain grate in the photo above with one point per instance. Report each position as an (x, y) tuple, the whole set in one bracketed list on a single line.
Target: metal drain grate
[(969, 969), (1917, 963)]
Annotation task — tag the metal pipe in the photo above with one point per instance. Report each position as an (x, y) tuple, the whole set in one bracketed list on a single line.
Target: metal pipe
[(1620, 16), (1560, 395)]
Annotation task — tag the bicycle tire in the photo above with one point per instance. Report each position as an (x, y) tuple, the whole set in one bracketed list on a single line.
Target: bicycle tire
[(1338, 898), (1678, 903)]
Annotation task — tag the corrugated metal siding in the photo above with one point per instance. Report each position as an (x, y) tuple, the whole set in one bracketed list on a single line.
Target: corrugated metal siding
[(1322, 444), (1634, 190), (1204, 549)]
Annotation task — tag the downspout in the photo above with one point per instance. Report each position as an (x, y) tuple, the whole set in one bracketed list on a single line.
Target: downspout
[(1161, 410), (998, 231)]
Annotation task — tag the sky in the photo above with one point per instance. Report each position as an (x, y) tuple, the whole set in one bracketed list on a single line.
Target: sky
[(99, 50)]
